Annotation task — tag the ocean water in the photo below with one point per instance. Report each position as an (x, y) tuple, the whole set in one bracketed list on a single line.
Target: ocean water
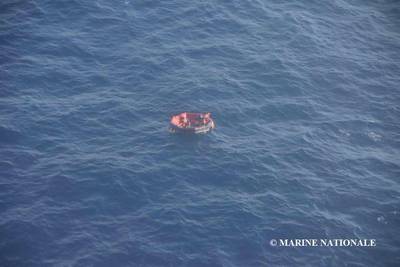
[(305, 96)]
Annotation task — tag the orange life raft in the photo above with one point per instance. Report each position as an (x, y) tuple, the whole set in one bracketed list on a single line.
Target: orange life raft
[(192, 122)]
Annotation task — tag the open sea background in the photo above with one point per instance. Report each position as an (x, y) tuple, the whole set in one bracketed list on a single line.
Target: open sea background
[(305, 95)]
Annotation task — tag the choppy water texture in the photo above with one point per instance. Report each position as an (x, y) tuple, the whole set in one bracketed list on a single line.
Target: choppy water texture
[(305, 95)]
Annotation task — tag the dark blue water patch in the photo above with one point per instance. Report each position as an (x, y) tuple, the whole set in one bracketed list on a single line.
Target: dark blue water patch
[(17, 244), (9, 136)]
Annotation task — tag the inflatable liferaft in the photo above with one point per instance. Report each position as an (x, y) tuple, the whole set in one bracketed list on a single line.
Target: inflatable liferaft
[(192, 123)]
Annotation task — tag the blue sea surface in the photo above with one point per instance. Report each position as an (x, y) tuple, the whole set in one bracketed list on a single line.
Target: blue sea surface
[(306, 100)]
